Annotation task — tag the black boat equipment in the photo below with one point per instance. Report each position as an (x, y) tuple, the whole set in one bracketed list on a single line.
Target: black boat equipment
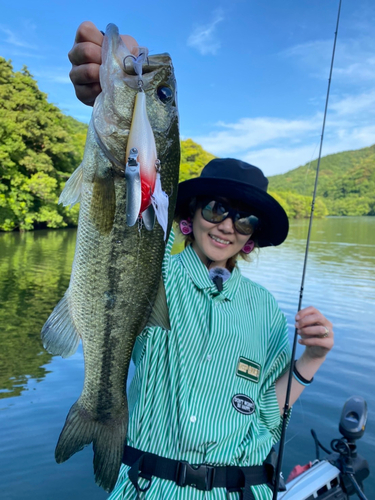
[(339, 474)]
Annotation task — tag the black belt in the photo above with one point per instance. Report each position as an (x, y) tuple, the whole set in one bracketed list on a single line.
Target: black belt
[(203, 477)]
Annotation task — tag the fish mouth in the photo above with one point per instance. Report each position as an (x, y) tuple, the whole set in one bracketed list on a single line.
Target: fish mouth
[(158, 69), (154, 63)]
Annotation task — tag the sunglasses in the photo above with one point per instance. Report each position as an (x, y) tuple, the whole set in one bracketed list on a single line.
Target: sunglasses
[(217, 211)]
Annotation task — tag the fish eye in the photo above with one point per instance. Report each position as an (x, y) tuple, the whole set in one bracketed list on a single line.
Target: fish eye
[(165, 94)]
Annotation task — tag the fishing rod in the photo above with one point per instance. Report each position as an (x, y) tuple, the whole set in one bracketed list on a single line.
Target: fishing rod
[(286, 409)]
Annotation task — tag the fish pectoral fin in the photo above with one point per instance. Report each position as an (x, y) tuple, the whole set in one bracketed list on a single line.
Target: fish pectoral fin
[(103, 203), (160, 315), (107, 436), (149, 217), (71, 194), (59, 335)]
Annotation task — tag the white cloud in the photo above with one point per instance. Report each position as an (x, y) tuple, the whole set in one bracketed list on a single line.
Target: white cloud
[(355, 104), (278, 160), (54, 75), (204, 37), (354, 58), (253, 132), (13, 52), (277, 145), (282, 159), (15, 39)]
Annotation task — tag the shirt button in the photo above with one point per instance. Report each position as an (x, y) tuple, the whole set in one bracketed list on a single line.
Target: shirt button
[(209, 357), (193, 419)]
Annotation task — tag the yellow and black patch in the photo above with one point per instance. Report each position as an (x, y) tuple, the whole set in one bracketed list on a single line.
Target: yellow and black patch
[(248, 369)]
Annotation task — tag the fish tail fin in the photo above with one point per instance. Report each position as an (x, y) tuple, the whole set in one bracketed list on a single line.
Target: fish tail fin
[(71, 194), (108, 449), (108, 440), (59, 334), (77, 433)]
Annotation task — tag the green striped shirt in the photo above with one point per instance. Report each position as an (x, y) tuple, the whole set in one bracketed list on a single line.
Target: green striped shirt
[(189, 398)]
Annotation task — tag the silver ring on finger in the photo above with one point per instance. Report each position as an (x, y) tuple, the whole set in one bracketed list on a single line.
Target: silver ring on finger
[(326, 332)]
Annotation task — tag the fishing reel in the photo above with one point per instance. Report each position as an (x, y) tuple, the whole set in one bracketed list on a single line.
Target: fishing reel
[(353, 467)]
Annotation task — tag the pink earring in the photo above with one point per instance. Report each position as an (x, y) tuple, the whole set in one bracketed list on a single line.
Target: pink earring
[(248, 247), (186, 227)]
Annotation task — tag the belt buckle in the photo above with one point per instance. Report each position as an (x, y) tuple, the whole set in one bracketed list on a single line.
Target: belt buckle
[(200, 476)]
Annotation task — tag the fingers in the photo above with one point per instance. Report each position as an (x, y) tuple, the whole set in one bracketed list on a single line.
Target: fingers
[(85, 74), (86, 58), (85, 53), (312, 318), (88, 32), (315, 332), (88, 93), (87, 46)]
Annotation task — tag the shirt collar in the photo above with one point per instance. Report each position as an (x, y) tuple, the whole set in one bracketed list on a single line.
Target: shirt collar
[(199, 275)]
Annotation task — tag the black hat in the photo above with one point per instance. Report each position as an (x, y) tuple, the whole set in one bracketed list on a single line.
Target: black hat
[(237, 180)]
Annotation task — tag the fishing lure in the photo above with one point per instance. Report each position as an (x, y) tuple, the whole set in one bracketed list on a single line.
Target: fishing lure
[(145, 198)]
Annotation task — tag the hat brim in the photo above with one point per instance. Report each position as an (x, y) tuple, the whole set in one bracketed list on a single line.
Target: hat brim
[(273, 219)]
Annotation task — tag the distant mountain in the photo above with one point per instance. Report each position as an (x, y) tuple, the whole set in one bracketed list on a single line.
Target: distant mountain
[(346, 182)]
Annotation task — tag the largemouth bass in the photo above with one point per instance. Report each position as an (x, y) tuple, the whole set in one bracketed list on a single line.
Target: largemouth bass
[(115, 288)]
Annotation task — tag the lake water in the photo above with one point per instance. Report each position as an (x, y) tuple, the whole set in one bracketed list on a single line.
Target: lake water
[(37, 389)]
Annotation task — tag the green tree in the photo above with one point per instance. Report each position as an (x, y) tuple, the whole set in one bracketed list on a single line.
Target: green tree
[(193, 159), (39, 149), (298, 206)]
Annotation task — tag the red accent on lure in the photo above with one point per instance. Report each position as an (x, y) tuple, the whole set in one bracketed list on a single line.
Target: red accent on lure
[(147, 187)]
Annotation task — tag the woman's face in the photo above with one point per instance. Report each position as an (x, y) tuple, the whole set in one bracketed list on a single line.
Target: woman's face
[(216, 242)]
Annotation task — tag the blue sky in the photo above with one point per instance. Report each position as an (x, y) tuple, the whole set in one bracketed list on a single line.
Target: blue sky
[(252, 75)]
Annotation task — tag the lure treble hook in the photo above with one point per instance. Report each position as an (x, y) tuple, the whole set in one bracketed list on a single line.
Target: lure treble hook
[(138, 62)]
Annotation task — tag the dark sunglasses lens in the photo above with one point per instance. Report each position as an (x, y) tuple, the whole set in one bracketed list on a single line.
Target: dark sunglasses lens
[(214, 211), (247, 225)]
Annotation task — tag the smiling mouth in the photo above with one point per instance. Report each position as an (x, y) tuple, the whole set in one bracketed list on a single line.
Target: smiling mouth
[(219, 240)]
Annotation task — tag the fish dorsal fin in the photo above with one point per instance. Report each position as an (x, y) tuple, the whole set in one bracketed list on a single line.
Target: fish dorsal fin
[(59, 335), (71, 194), (160, 315)]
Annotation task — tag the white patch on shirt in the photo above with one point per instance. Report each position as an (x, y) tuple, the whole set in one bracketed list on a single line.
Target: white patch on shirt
[(243, 404)]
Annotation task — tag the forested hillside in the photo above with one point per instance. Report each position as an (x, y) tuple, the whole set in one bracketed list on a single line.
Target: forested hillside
[(346, 182), (40, 147)]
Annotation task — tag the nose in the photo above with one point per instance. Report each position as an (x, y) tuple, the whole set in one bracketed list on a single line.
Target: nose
[(226, 225)]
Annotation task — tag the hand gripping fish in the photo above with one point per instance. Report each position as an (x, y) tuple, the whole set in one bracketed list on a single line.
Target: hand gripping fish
[(115, 288)]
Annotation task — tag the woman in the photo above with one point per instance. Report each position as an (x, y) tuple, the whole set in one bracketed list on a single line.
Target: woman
[(207, 396)]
